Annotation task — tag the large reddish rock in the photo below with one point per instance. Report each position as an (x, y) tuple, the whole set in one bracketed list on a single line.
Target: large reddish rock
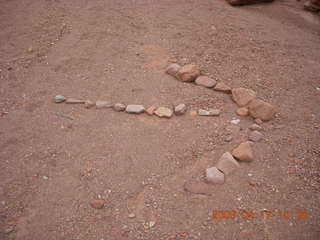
[(206, 81), (188, 73), (246, 2), (242, 96), (261, 109), (243, 152)]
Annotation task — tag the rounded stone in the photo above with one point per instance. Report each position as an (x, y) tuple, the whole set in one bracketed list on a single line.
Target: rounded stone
[(59, 99), (205, 81), (242, 111), (119, 107)]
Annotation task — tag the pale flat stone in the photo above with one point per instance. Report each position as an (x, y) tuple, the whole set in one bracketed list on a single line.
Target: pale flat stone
[(227, 163), (135, 109)]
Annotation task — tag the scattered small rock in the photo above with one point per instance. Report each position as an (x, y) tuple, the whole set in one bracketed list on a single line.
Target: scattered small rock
[(9, 230), (242, 111), (255, 136), (172, 69), (59, 99), (243, 152), (242, 96), (135, 109), (150, 110), (196, 187), (222, 87), (261, 109), (235, 121), (97, 204), (188, 73), (228, 138), (214, 176), (233, 129), (163, 112), (227, 163), (255, 127), (119, 107), (103, 104), (131, 215), (74, 101), (152, 224), (210, 112), (206, 81), (258, 121), (180, 109), (89, 104)]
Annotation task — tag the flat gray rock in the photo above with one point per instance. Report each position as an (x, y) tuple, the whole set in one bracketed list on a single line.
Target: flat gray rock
[(59, 99), (214, 176), (135, 108), (209, 113), (103, 104), (227, 163)]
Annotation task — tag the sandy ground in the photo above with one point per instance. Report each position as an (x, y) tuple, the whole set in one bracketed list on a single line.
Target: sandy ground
[(52, 167)]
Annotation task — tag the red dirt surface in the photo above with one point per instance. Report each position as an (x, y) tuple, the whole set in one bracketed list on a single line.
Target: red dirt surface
[(53, 167)]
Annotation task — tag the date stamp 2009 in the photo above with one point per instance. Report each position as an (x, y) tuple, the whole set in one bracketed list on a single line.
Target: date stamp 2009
[(265, 214)]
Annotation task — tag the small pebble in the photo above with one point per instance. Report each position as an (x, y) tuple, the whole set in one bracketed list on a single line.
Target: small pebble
[(255, 126), (119, 107), (210, 112), (131, 215), (59, 99), (180, 109), (135, 109), (235, 121), (163, 112), (103, 104), (258, 121), (97, 204), (242, 111), (89, 104), (150, 110), (228, 139)]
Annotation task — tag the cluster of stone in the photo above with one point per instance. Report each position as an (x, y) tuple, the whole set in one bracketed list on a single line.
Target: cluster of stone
[(162, 112), (249, 105)]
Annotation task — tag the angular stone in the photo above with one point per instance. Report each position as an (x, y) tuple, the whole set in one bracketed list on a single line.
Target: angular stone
[(261, 109), (196, 187), (255, 126), (206, 81), (180, 109), (163, 112), (227, 163), (74, 101), (214, 176), (255, 136), (188, 73), (59, 99), (135, 109), (89, 104), (242, 96), (242, 111), (243, 152), (222, 87), (172, 69), (103, 104), (150, 110), (209, 113), (97, 204), (119, 107)]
